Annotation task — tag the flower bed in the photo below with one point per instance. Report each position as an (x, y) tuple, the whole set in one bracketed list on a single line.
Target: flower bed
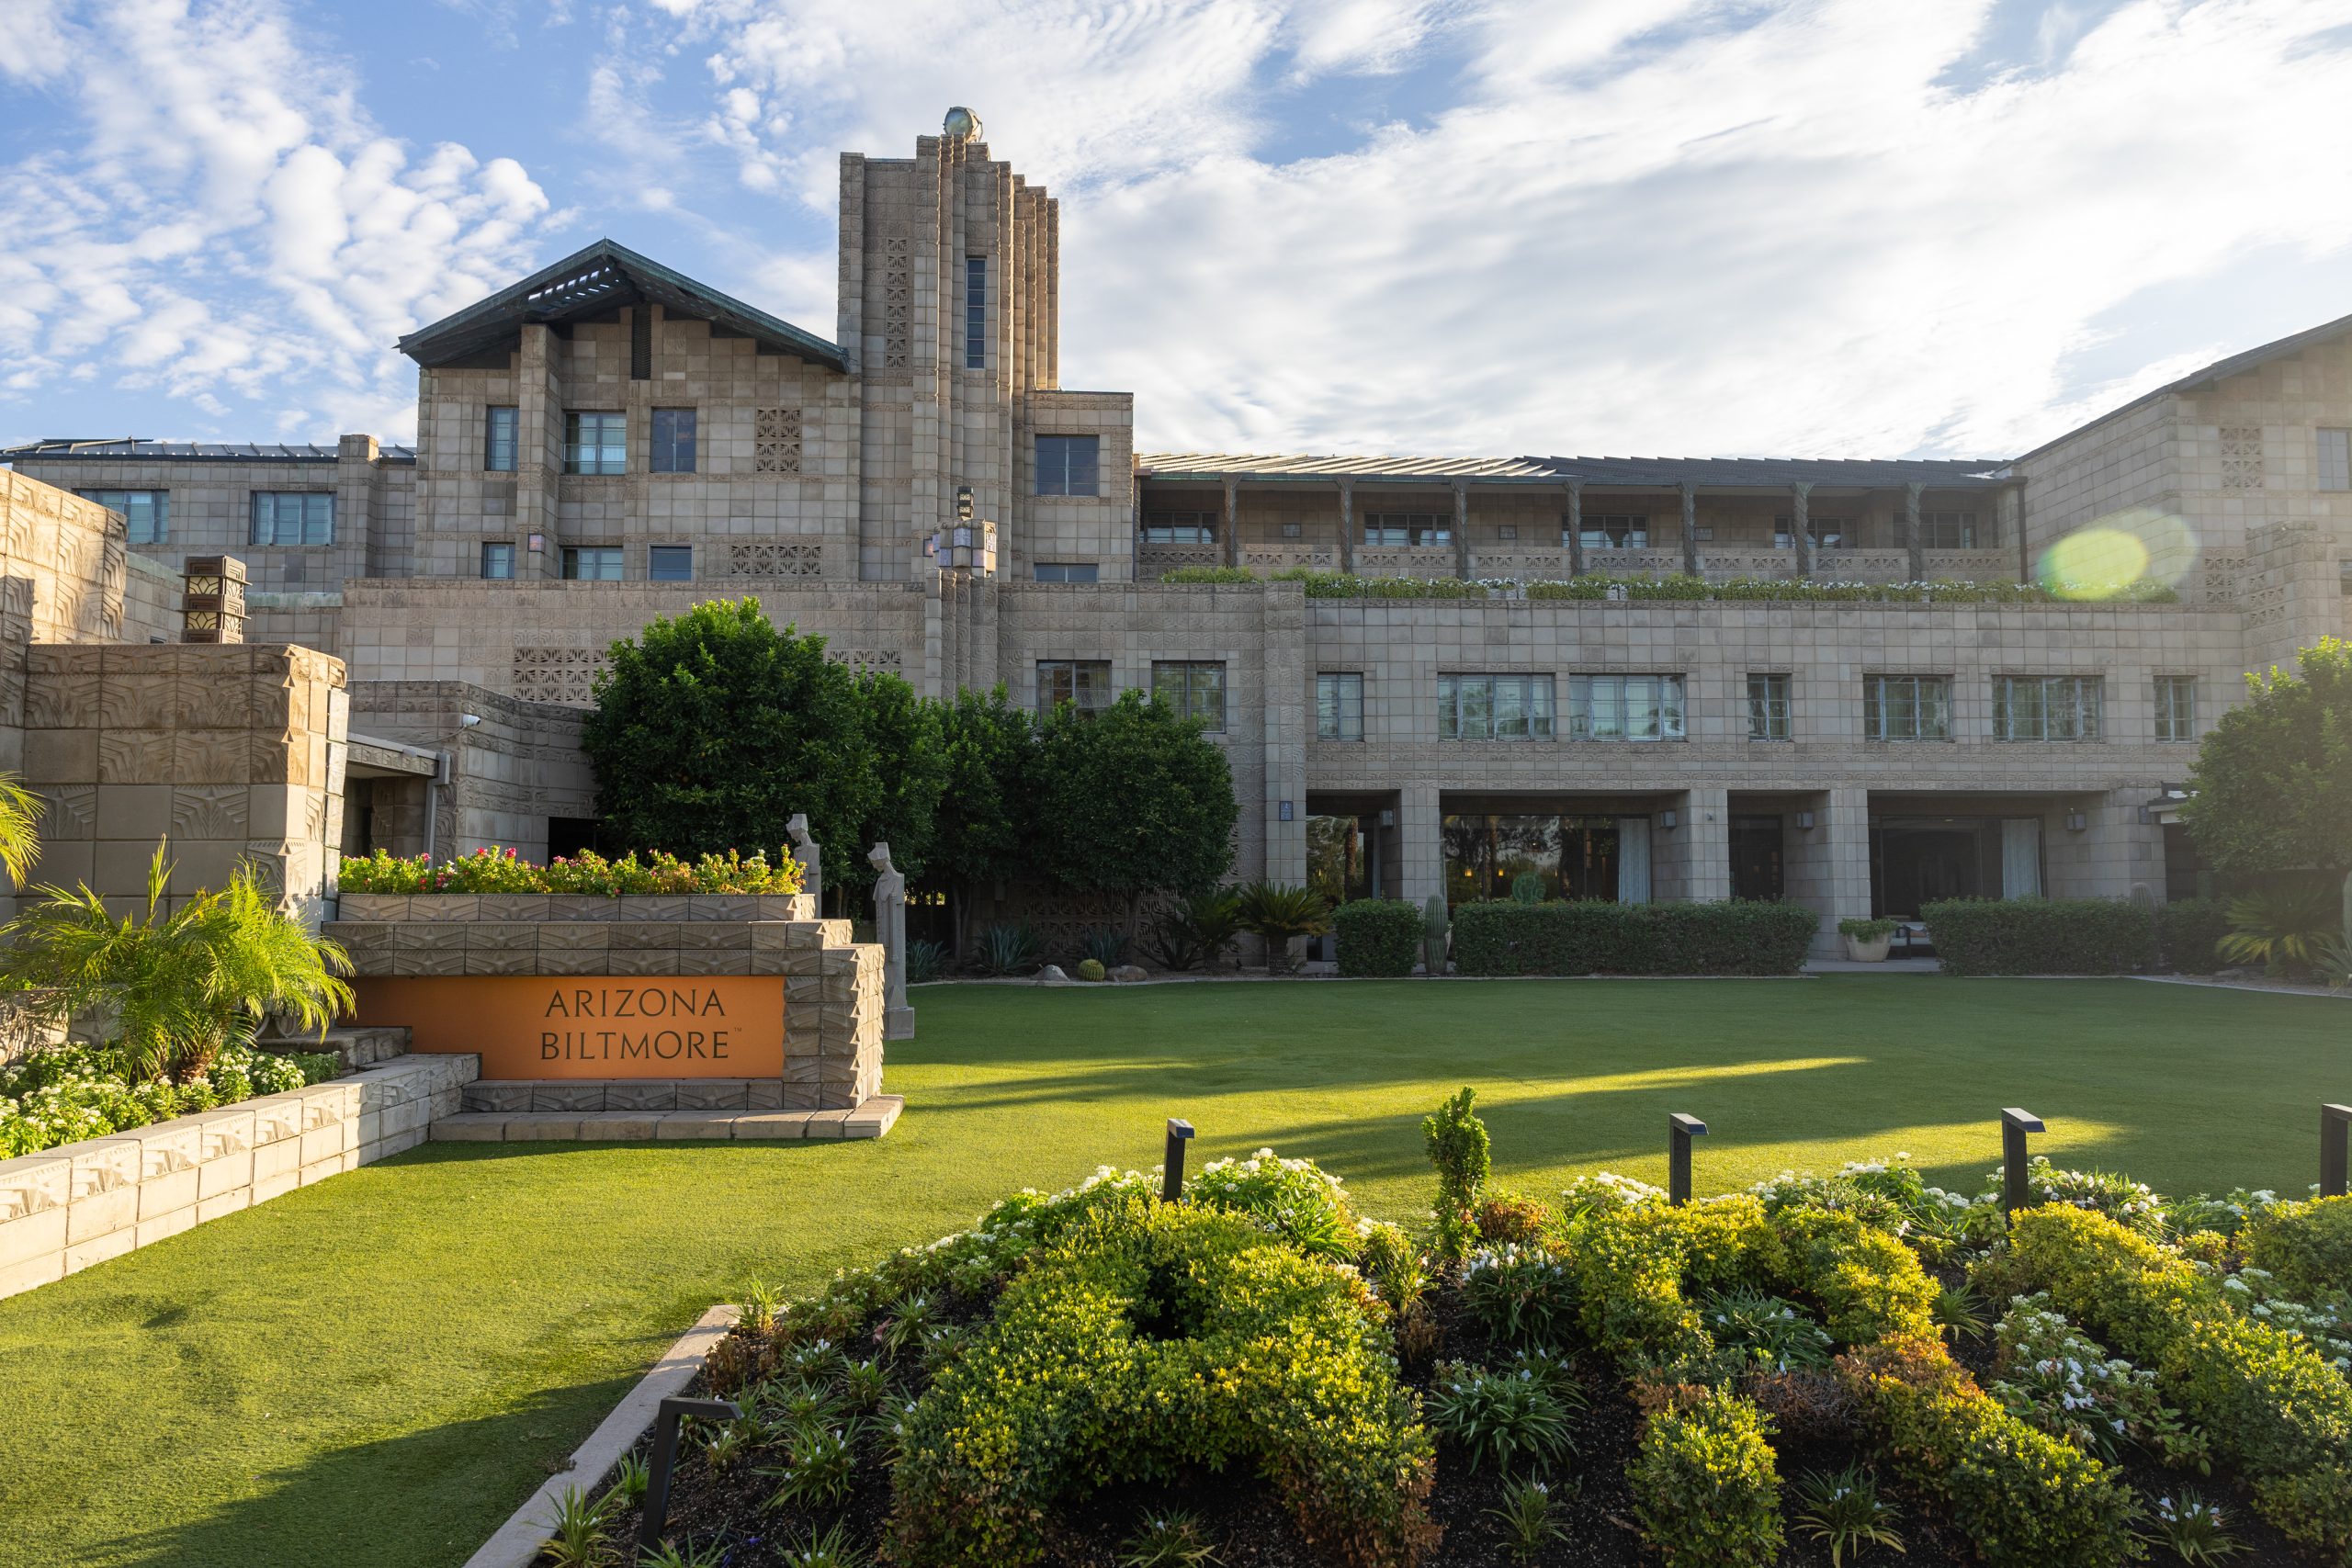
[(66, 1093), (586, 874)]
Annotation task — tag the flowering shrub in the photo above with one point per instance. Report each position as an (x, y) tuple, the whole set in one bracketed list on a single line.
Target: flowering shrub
[(1605, 1191), (2323, 1325), (586, 873), (2060, 1380), (1706, 1490), (2131, 1204), (1521, 1294), (1303, 1205), (2307, 1246), (66, 1093)]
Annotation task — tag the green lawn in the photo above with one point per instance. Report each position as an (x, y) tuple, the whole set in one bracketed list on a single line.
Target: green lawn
[(376, 1369)]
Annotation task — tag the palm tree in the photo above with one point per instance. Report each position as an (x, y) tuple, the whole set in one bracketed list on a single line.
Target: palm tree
[(1280, 912), (19, 845)]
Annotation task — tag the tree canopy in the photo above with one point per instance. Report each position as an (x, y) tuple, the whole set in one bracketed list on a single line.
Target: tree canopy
[(1134, 801), (2274, 778)]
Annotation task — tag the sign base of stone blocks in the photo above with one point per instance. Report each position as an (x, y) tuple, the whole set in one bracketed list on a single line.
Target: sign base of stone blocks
[(870, 1119)]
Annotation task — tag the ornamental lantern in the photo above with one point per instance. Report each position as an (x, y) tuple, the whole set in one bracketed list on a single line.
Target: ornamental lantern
[(212, 601)]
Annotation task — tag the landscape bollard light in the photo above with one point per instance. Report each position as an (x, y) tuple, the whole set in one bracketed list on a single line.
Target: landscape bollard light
[(2334, 1143), (1679, 1130), (665, 1455), (2014, 1125), (1172, 1186)]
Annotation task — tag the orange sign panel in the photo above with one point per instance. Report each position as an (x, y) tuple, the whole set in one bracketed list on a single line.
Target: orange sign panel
[(590, 1026)]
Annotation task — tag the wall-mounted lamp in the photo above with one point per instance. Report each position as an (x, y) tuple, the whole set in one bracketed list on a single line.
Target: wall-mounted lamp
[(1388, 819), (962, 503), (469, 720), (2076, 821), (212, 603), (1666, 820), (2147, 815), (1804, 822), (537, 544), (1283, 811)]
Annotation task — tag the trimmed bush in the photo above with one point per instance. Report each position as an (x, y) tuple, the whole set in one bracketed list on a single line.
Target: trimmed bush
[(2307, 1247), (1377, 936), (1705, 1488), (1591, 936), (2190, 930), (2041, 936)]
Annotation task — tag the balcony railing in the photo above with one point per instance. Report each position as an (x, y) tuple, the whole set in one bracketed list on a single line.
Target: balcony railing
[(1717, 563)]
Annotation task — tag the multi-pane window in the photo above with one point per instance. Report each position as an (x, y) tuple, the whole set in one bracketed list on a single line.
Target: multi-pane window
[(1085, 683), (975, 313), (2176, 707), (1613, 532), (1194, 688), (1768, 707), (1906, 707), (1625, 707), (595, 443), (293, 517), (2045, 707), (1494, 707), (599, 563), (1068, 571), (147, 512), (1338, 706), (1828, 533), (1947, 530), (1067, 465), (498, 561), (498, 438), (2335, 460), (669, 563), (1396, 530), (1180, 528), (673, 441)]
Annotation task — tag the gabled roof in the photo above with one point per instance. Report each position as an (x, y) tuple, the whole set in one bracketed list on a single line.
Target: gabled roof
[(602, 278), (105, 449), (1851, 473)]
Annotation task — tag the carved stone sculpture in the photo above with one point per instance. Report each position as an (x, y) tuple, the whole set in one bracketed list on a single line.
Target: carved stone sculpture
[(890, 930)]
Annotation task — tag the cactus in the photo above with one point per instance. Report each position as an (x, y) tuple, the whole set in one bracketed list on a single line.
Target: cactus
[(1434, 921)]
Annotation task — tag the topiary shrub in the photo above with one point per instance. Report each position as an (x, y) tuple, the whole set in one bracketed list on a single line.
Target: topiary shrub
[(1458, 1148), (1706, 1490), (2307, 1247), (1588, 937), (2189, 933), (2041, 936), (1377, 936)]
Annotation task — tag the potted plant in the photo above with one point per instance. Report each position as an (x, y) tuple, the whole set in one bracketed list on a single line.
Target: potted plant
[(1866, 941)]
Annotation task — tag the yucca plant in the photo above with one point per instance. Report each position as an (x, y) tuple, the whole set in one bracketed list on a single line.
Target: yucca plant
[(1280, 912), (2282, 929), (170, 988)]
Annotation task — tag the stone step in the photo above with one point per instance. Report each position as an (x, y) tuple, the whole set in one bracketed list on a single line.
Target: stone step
[(871, 1120), (355, 1045)]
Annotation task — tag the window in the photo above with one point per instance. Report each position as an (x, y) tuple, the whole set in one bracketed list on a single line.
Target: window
[(975, 313), (601, 564), (1507, 532), (147, 512), (2343, 578), (1067, 465), (1194, 688), (289, 517), (1338, 707), (2176, 707), (1494, 707), (1395, 530), (1084, 682), (669, 563), (2045, 707), (1068, 571), (595, 443), (1828, 533), (1180, 528), (1292, 530), (1625, 707), (1613, 533), (1768, 707), (1906, 707), (673, 441), (1947, 530), (498, 429), (498, 561), (2335, 460)]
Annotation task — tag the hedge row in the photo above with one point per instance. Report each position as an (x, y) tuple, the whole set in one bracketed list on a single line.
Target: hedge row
[(2041, 936), (1591, 936), (1377, 936), (2190, 931)]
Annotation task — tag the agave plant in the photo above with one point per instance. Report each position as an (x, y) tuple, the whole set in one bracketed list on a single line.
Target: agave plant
[(1280, 912), (1008, 948), (925, 960), (2282, 929)]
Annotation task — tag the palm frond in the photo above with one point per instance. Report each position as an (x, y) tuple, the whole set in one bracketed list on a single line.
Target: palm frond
[(19, 844)]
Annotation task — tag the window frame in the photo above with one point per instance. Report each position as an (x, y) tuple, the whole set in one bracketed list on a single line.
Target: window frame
[(1061, 479), (1532, 707), (1666, 715), (1876, 712), (1770, 709), (654, 556), (1089, 686), (1066, 571), (1964, 524), (975, 313), (2031, 707), (1411, 530), (611, 427), (670, 453), (158, 519), (2334, 465), (1161, 528), (490, 442), (1199, 684), (1828, 533), (304, 522), (488, 545), (2175, 699), (1593, 532), (1345, 700), (573, 559)]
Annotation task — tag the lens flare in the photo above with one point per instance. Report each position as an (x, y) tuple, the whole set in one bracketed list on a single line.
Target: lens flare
[(2118, 553)]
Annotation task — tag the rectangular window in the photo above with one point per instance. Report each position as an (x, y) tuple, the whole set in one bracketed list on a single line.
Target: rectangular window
[(1396, 530), (1610, 531), (1768, 707), (290, 517), (1906, 707), (599, 564), (1068, 571), (1194, 688), (1180, 528), (146, 513), (1067, 465), (1625, 707), (595, 443), (498, 427), (1338, 707), (1494, 707), (498, 561), (2176, 707), (669, 563), (1084, 682), (1828, 533), (975, 313), (1947, 530), (2335, 460), (673, 441), (2045, 707)]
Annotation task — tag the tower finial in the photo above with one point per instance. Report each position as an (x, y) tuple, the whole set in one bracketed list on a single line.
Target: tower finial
[(961, 125)]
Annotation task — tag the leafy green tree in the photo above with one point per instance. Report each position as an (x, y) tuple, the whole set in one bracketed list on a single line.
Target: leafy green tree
[(911, 764), (987, 821), (1133, 802), (2274, 778)]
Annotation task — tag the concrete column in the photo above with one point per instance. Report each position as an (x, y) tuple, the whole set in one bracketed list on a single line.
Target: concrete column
[(2113, 850), (1347, 525), (1574, 529), (1283, 632), (1919, 567), (1421, 847), (1232, 521), (1461, 529), (2013, 524), (1801, 526), (1690, 528), (1703, 851), (1843, 825)]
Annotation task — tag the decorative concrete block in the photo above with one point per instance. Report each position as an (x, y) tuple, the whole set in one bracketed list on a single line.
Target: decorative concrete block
[(161, 1195), (276, 1161), (104, 1165), (32, 1237), (561, 1096), (39, 1270), (874, 1117), (229, 1203), (665, 962), (277, 1116), (498, 1095), (372, 907), (693, 962), (581, 906), (574, 936), (642, 907), (99, 1249), (597, 962), (647, 1095), (470, 1128), (502, 936), (504, 907), (695, 1124), (714, 1094), (520, 961), (34, 1183), (829, 1123), (527, 1126), (429, 963), (639, 936), (771, 1125), (733, 907), (733, 937), (152, 1231), (632, 1126), (765, 1094), (443, 907), (429, 936)]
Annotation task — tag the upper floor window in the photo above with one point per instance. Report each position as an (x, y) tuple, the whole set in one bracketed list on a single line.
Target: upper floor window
[(595, 443), (1083, 682), (1768, 707), (1338, 706), (1067, 465), (673, 441), (1398, 530), (975, 313), (498, 438), (1828, 533), (1612, 531), (2176, 707), (1494, 707), (1906, 707), (146, 513), (1180, 528), (2335, 460), (498, 561), (600, 563), (669, 563), (1194, 687), (1067, 571), (1625, 707), (2045, 707), (1947, 530), (293, 517)]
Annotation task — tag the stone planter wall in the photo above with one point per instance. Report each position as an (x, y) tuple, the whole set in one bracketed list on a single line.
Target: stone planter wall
[(367, 908)]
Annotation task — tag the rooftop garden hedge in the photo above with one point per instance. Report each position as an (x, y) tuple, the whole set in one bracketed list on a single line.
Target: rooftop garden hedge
[(1680, 587), (586, 873)]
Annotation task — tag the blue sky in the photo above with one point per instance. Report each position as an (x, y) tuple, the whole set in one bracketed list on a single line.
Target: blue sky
[(1702, 227)]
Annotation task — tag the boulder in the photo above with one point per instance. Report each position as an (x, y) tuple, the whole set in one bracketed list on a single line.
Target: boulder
[(1051, 975), (1128, 973)]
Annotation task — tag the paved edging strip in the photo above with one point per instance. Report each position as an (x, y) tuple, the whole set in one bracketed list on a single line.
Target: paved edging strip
[(517, 1542)]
